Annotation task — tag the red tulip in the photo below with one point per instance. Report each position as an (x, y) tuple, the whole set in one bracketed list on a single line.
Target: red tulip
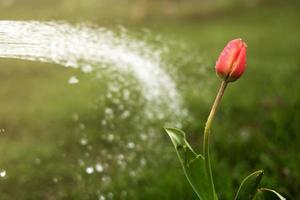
[(232, 61)]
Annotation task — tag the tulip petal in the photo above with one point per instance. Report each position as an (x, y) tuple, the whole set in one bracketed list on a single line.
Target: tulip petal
[(228, 58), (239, 66)]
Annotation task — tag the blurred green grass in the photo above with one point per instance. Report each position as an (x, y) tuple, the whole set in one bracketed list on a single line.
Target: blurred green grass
[(257, 127)]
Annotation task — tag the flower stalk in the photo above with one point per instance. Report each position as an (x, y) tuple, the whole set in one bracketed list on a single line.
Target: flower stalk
[(230, 66), (206, 137)]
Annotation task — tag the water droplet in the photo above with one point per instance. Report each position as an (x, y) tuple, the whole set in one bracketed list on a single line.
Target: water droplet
[(89, 170), (143, 136), (81, 162), (106, 178), (108, 111), (130, 145), (101, 197), (110, 195), (132, 173), (125, 114), (109, 95), (126, 94), (81, 126), (73, 80), (87, 68), (143, 162), (55, 180), (3, 174), (75, 117), (108, 57), (99, 167), (161, 116), (37, 161), (103, 122), (110, 137), (71, 63), (83, 141), (121, 157)]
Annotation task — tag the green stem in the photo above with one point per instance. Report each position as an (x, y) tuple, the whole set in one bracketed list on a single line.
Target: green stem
[(206, 138)]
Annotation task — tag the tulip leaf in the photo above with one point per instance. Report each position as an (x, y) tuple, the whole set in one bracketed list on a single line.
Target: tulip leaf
[(193, 164), (268, 194), (249, 186)]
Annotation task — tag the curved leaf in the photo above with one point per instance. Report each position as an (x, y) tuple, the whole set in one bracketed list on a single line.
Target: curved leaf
[(249, 186), (193, 164), (268, 194)]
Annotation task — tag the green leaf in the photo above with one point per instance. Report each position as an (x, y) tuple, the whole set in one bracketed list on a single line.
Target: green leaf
[(193, 164), (249, 186), (268, 194)]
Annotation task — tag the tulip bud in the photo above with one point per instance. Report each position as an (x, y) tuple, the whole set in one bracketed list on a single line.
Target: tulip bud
[(232, 62)]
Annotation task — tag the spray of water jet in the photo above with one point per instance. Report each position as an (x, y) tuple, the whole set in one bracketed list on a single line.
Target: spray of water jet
[(88, 48), (100, 51)]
